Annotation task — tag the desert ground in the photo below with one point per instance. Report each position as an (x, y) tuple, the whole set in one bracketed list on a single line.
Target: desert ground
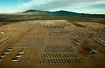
[(52, 44)]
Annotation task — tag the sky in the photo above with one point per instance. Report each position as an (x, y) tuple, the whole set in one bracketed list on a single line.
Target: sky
[(80, 6)]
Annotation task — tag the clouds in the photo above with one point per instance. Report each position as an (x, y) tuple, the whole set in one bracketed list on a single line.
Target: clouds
[(32, 4), (56, 4), (52, 5)]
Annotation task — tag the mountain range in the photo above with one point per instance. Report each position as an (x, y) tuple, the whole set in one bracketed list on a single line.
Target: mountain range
[(61, 13)]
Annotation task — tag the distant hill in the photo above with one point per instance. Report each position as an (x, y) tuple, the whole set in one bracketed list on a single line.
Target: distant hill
[(37, 12), (62, 13)]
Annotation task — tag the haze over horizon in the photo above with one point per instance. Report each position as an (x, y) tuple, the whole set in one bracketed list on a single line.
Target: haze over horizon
[(80, 6)]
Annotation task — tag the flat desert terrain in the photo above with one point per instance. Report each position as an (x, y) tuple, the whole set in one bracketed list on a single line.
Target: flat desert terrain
[(52, 44)]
